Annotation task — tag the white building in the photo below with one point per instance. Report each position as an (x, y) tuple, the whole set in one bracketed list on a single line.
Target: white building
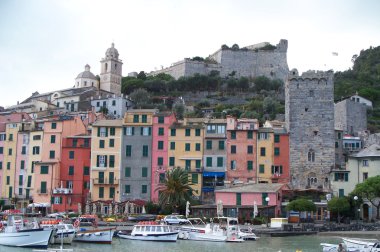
[(116, 105)]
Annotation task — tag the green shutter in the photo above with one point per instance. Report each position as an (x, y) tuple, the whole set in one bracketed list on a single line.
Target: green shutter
[(194, 178), (144, 172), (263, 197), (238, 199), (127, 171), (98, 131), (346, 176), (336, 177)]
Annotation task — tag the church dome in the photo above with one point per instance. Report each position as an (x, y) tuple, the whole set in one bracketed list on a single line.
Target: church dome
[(86, 74), (112, 52)]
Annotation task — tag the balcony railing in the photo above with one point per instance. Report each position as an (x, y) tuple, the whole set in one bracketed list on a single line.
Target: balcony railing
[(105, 181), (62, 191)]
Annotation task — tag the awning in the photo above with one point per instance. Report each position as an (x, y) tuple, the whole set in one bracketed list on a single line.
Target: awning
[(207, 189), (214, 174), (39, 205)]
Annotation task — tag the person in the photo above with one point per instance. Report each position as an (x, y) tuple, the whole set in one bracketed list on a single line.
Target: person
[(341, 248)]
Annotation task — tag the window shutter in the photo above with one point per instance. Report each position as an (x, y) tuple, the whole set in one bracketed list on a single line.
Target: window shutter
[(52, 200), (98, 131), (105, 161), (106, 132), (97, 161), (272, 169), (280, 169), (133, 131), (125, 131), (60, 200), (336, 177), (150, 131), (346, 176), (141, 131)]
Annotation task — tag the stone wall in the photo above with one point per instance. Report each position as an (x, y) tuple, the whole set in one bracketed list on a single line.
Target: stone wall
[(350, 116), (309, 108)]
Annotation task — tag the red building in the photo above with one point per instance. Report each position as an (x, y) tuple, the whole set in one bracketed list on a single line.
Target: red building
[(74, 175), (281, 160)]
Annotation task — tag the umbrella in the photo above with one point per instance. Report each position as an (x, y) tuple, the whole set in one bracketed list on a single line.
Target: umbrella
[(110, 209), (126, 209), (219, 208), (93, 208), (187, 208), (79, 208), (143, 210), (116, 210), (255, 211), (87, 208)]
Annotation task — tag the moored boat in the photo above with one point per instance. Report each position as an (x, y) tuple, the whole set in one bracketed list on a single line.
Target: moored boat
[(151, 231), (362, 244), (17, 234), (99, 235), (62, 232)]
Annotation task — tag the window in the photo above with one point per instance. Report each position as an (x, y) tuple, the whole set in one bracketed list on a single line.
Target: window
[(341, 193), (221, 145), (129, 131), (171, 161), (277, 151), (3, 137), (8, 180), (249, 165), (112, 192), (238, 199), (1, 165), (22, 164), (250, 149), (233, 149), (86, 142), (101, 177), (128, 150), (311, 156), (198, 147), (187, 147), (20, 191), (208, 161), (101, 192), (336, 145), (112, 131), (144, 189), (161, 131), (197, 163), (53, 125), (144, 172), (262, 151), (145, 131), (75, 142), (160, 161), (135, 118), (161, 119), (277, 170), (340, 176), (311, 93), (52, 154), (86, 171), (233, 134), (365, 163), (10, 152), (71, 154), (261, 168), (112, 143), (43, 187), (71, 170), (187, 165), (233, 164), (263, 135), (113, 103), (29, 182), (127, 172), (112, 161), (52, 139), (44, 169), (160, 145), (144, 119), (365, 176), (172, 145), (208, 144), (101, 161), (145, 151), (2, 150), (127, 188), (220, 161), (173, 132), (23, 150), (197, 132), (161, 178), (250, 134), (276, 138), (194, 178), (187, 132)]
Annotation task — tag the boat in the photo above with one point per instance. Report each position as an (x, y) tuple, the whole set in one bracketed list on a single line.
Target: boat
[(151, 231), (362, 244), (226, 230), (247, 234), (328, 247), (18, 234), (62, 232), (98, 235)]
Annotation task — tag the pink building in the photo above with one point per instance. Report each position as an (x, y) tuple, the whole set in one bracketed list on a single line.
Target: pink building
[(160, 145)]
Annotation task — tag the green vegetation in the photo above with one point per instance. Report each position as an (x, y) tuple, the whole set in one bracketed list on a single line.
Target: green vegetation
[(364, 78), (370, 190), (339, 205), (301, 205)]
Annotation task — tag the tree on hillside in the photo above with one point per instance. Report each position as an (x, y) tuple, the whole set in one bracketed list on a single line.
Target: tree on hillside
[(370, 190), (338, 205), (129, 84), (140, 97), (301, 205), (175, 189), (179, 110)]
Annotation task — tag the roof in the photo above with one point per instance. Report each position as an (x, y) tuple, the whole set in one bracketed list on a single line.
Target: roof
[(371, 151), (252, 188), (132, 111), (86, 74), (109, 123)]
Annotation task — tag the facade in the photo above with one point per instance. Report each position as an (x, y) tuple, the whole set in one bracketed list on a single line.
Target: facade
[(106, 151), (265, 155), (115, 105), (74, 174), (160, 146), (34, 153), (350, 116), (86, 79), (186, 150), (137, 154), (22, 157), (241, 150), (340, 154), (309, 116), (111, 71), (214, 158), (280, 170)]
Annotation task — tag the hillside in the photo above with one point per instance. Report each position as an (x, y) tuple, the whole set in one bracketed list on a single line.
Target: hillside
[(364, 78)]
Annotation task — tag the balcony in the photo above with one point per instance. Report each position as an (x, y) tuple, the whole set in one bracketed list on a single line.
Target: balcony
[(62, 191), (105, 181)]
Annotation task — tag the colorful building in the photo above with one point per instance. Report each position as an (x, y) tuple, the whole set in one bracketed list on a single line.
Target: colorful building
[(160, 146), (265, 147)]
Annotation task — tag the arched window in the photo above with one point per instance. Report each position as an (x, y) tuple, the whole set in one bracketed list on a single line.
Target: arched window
[(311, 156)]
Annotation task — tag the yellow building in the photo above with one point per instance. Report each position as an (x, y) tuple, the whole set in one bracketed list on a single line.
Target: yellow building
[(186, 150), (105, 160), (35, 155), (265, 146)]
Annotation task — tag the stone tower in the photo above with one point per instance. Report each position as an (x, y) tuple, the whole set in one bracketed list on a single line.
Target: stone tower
[(309, 116), (111, 70)]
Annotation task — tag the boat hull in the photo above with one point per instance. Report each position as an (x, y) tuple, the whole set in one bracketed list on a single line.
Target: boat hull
[(57, 238), (164, 237), (95, 236), (38, 238)]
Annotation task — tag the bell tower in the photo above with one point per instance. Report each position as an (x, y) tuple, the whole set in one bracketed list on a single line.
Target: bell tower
[(111, 70)]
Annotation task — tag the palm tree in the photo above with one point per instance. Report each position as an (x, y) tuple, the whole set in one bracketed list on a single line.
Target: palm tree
[(176, 188)]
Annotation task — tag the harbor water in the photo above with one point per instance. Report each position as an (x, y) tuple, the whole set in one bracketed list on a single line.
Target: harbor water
[(309, 243)]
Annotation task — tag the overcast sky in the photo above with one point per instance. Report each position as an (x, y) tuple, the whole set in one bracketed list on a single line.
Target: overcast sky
[(44, 44)]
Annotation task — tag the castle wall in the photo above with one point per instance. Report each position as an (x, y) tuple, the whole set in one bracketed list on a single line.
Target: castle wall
[(309, 116), (350, 116)]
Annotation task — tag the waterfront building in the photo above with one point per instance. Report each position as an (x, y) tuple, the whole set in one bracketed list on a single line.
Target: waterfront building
[(265, 155), (112, 105), (280, 170), (160, 146)]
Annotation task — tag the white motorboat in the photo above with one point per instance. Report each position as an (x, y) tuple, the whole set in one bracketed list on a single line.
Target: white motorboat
[(247, 235), (99, 235), (327, 247), (17, 234), (362, 244), (226, 230), (151, 231), (62, 232)]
